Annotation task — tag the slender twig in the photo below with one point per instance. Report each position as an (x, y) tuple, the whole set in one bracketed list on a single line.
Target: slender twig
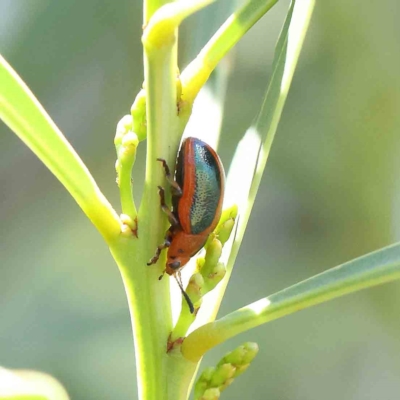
[(367, 271)]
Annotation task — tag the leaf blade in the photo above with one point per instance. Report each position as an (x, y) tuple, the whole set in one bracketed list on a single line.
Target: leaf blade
[(24, 114)]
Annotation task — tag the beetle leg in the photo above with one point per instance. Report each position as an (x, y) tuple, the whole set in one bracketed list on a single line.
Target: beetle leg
[(161, 276), (171, 217), (175, 188), (161, 247)]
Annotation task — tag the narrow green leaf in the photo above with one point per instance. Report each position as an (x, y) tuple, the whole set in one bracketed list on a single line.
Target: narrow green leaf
[(23, 113), (370, 270), (252, 152)]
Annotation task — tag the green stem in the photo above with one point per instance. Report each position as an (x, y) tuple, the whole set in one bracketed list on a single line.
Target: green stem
[(199, 70), (367, 271), (152, 327), (23, 113), (160, 31), (149, 298), (181, 377), (162, 141), (151, 320), (150, 7)]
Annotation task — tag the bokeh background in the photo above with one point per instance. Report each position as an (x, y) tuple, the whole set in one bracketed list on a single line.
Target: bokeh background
[(330, 193)]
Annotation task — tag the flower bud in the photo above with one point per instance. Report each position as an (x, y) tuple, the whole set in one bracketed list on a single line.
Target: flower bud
[(211, 394), (222, 374)]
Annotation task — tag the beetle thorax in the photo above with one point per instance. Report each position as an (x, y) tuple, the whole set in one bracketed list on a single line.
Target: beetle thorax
[(183, 247)]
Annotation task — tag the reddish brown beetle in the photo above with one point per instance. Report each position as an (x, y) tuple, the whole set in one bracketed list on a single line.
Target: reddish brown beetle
[(197, 195)]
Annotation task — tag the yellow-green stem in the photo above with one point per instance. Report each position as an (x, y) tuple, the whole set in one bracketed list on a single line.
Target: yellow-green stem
[(198, 71), (367, 271)]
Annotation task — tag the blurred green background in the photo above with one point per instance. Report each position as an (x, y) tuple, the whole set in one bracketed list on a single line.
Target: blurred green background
[(330, 194)]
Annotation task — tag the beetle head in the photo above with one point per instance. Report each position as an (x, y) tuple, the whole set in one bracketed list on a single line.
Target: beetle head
[(175, 264)]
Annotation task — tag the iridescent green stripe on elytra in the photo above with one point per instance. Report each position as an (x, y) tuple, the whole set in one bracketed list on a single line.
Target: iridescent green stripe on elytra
[(207, 191)]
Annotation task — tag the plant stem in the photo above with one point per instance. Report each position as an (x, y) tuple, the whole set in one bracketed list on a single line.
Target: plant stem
[(149, 298), (150, 7), (199, 70), (151, 321), (181, 376), (152, 327), (367, 271)]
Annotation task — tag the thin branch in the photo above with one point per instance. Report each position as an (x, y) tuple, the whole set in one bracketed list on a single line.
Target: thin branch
[(234, 28), (370, 270)]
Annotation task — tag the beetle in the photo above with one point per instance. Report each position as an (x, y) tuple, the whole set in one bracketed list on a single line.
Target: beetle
[(197, 189)]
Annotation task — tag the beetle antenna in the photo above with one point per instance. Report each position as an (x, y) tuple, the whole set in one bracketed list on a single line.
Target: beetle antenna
[(185, 295)]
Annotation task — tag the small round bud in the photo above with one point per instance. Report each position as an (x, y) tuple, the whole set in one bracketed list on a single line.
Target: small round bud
[(222, 374), (127, 220), (126, 230), (226, 230), (200, 263), (214, 250), (218, 272), (139, 104), (233, 211), (207, 374), (211, 394), (125, 123), (123, 126), (213, 253), (129, 225), (130, 139), (203, 383), (235, 357), (138, 111), (251, 352), (214, 277), (194, 287), (128, 146)]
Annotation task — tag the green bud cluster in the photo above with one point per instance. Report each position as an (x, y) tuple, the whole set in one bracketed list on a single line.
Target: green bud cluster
[(226, 223), (131, 130), (241, 357), (194, 287), (123, 127), (214, 380), (210, 268), (138, 109), (209, 272), (138, 113), (211, 394), (126, 143)]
